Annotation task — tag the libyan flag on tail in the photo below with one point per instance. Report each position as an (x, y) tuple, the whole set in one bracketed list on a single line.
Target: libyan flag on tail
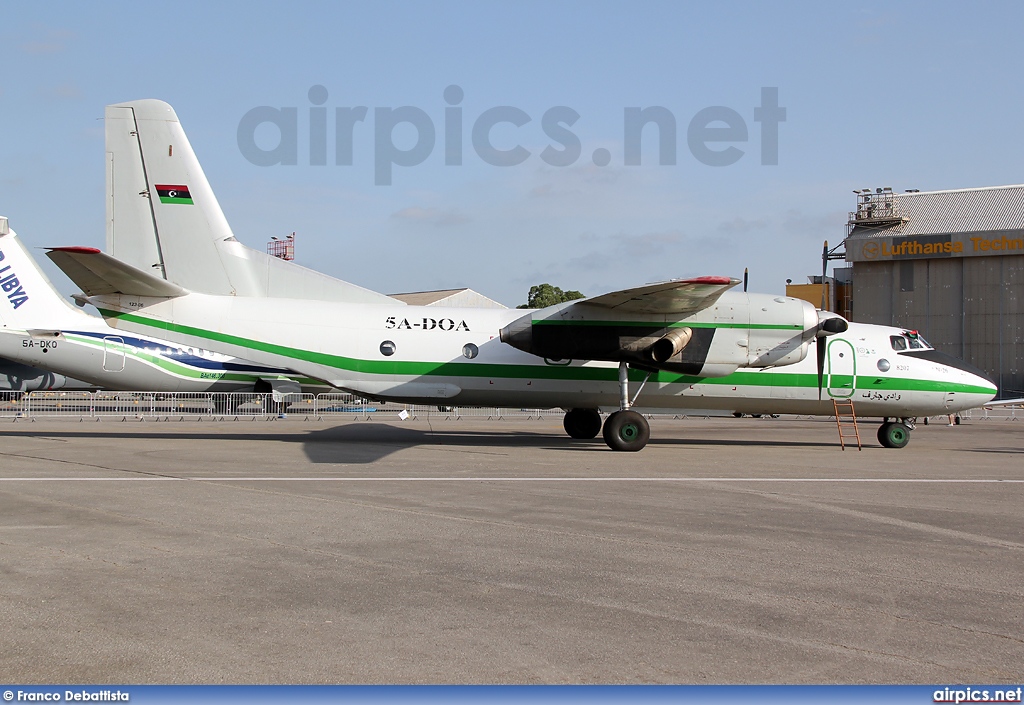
[(174, 194)]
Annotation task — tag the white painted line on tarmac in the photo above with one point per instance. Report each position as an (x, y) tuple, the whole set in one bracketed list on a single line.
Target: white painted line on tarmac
[(160, 478)]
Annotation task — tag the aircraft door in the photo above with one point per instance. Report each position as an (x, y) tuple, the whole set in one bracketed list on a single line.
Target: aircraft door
[(113, 354), (842, 369)]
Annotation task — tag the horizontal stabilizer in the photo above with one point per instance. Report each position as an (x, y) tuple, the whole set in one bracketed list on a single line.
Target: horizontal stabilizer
[(679, 296), (98, 274)]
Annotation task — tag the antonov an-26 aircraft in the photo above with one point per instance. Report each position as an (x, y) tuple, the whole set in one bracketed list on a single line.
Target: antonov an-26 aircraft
[(678, 344)]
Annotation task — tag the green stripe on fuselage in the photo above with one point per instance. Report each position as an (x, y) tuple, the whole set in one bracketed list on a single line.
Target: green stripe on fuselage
[(173, 366), (674, 324), (771, 378)]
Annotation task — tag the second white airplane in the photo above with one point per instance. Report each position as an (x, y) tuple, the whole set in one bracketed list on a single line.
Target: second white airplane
[(40, 329)]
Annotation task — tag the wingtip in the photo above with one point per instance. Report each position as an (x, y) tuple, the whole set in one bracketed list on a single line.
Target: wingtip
[(712, 280), (76, 250)]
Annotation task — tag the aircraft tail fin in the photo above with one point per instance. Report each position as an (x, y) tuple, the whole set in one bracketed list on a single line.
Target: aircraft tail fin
[(28, 301), (163, 217)]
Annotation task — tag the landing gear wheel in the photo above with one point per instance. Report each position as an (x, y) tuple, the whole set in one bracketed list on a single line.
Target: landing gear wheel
[(626, 431), (893, 435), (583, 424)]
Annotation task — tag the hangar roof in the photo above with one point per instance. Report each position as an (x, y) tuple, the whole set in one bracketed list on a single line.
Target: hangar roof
[(956, 211), (461, 298)]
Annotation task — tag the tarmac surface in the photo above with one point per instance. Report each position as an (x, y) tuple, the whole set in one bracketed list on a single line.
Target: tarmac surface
[(728, 551)]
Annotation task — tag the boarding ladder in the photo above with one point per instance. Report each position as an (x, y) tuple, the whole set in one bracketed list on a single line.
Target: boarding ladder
[(846, 422)]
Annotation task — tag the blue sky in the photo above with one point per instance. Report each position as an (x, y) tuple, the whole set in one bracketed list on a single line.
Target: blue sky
[(909, 95)]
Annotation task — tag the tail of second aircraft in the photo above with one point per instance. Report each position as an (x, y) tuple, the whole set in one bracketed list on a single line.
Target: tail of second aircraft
[(163, 217), (28, 300)]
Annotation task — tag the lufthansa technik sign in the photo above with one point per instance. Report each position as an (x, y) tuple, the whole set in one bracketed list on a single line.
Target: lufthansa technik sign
[(880, 249)]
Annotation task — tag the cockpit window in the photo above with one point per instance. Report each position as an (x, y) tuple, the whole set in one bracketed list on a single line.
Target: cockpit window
[(909, 340)]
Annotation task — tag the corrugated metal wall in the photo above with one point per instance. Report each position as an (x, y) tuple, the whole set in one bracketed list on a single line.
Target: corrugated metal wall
[(872, 293), (971, 307)]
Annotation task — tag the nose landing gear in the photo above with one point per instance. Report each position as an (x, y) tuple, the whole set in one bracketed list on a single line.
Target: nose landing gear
[(894, 434)]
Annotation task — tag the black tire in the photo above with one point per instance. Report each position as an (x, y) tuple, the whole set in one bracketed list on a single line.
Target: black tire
[(894, 435), (582, 424), (626, 431)]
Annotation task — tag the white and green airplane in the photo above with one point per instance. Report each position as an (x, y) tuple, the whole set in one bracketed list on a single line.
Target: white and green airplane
[(40, 329), (675, 345)]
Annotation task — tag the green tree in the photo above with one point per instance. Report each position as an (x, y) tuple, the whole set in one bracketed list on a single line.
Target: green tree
[(544, 295)]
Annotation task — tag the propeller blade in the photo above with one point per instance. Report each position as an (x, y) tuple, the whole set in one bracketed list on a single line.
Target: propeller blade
[(746, 278), (821, 342)]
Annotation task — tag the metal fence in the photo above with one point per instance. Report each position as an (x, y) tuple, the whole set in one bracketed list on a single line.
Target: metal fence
[(10, 404), (1013, 412), (242, 406), (230, 406)]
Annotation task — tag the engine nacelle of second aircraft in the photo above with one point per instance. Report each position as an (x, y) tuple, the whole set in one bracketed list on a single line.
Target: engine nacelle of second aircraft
[(739, 330)]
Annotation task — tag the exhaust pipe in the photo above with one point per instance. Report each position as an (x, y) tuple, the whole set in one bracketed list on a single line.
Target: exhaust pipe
[(671, 345)]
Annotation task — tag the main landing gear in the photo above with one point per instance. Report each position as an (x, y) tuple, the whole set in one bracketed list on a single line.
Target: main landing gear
[(624, 429), (582, 424), (895, 434)]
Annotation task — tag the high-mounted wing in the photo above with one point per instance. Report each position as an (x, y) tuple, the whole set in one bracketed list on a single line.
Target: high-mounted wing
[(688, 326), (679, 296), (98, 274)]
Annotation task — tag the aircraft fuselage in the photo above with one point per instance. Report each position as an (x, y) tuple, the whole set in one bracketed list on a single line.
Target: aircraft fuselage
[(453, 356)]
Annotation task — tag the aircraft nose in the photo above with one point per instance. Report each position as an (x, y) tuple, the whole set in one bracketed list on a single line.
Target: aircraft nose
[(989, 385), (976, 387), (983, 390)]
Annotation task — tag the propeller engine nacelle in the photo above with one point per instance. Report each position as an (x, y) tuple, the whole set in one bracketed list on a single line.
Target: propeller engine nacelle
[(739, 330)]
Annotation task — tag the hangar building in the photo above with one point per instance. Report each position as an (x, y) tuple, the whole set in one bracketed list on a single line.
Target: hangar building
[(951, 265)]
